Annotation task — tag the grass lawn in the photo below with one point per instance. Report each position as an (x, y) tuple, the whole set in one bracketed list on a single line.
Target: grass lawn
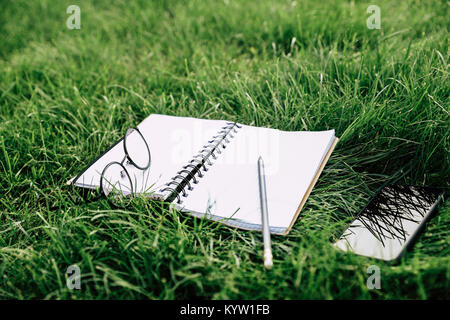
[(67, 95)]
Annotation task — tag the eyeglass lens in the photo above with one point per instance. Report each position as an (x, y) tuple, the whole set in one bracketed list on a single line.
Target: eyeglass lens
[(136, 149)]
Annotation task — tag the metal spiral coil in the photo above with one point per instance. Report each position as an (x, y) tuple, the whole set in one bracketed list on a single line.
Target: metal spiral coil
[(198, 165)]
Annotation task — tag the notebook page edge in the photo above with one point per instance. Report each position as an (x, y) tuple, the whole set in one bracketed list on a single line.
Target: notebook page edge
[(230, 222), (311, 186)]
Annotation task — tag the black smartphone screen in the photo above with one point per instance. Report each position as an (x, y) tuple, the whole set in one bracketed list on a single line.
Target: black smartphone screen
[(390, 221)]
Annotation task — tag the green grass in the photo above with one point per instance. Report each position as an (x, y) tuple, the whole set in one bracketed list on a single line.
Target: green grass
[(66, 95)]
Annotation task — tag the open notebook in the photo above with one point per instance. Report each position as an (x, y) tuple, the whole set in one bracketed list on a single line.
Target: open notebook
[(222, 183)]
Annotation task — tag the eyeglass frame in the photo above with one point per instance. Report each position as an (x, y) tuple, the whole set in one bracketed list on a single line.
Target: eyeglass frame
[(129, 161)]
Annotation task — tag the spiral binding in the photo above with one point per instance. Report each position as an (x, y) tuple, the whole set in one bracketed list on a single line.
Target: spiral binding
[(198, 165)]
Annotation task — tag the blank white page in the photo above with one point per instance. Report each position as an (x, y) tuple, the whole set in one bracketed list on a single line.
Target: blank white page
[(230, 188), (172, 141)]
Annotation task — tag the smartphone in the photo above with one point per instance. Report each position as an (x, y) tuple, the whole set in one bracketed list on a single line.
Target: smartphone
[(390, 222)]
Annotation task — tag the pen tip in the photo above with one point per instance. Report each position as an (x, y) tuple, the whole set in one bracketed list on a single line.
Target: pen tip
[(260, 159), (268, 264), (268, 258)]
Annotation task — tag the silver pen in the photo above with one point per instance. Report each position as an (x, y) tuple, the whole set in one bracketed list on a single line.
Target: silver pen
[(264, 214)]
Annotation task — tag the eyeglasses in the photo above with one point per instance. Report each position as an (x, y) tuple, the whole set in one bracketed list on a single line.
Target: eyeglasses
[(115, 182)]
